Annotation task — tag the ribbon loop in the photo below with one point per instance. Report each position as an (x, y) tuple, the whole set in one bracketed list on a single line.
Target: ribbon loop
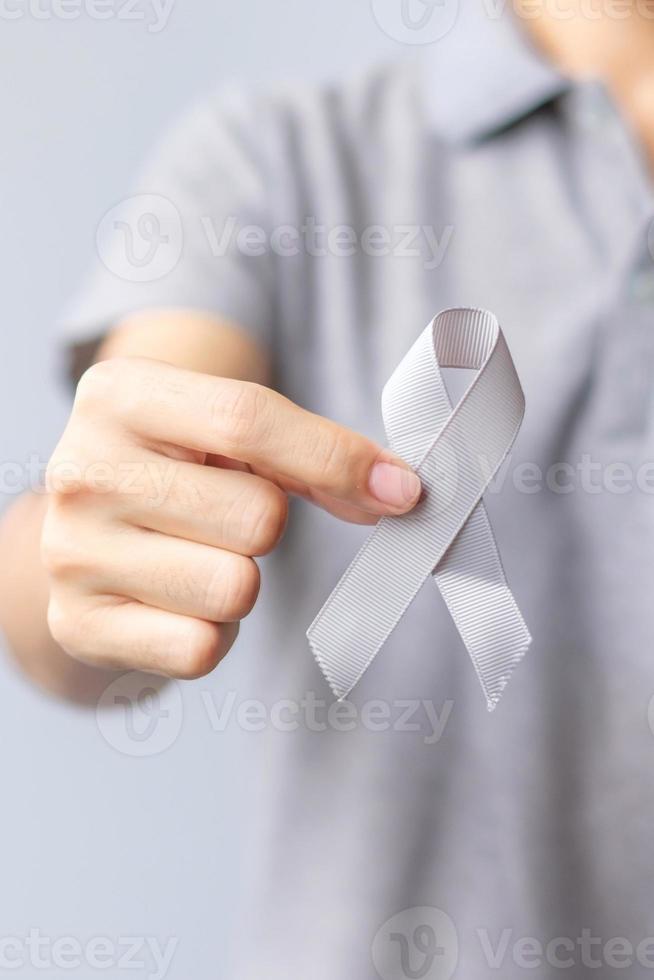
[(456, 454)]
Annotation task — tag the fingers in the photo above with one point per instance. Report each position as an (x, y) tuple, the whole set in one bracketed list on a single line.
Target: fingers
[(180, 576), (109, 582), (228, 509), (255, 425), (118, 634), (108, 558)]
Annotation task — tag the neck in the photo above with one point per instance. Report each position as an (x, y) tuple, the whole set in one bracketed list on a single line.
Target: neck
[(620, 42), (605, 39)]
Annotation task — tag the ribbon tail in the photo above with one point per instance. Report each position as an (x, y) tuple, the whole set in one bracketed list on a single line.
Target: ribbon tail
[(471, 580)]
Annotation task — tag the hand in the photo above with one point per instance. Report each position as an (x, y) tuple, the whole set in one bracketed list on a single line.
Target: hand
[(163, 488)]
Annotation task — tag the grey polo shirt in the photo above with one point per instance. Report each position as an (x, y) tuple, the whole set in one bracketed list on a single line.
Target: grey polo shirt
[(412, 834)]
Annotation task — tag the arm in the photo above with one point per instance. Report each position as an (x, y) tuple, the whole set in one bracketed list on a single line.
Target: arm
[(122, 579)]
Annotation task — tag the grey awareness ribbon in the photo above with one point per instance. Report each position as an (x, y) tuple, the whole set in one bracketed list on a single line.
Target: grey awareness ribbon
[(456, 453)]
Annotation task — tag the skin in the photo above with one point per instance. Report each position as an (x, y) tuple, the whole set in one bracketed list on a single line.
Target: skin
[(166, 485), (605, 39), (110, 579)]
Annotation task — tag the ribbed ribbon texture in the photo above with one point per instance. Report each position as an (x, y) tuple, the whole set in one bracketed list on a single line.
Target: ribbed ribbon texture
[(456, 454)]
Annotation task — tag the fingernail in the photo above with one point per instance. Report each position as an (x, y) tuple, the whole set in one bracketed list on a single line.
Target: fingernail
[(394, 485)]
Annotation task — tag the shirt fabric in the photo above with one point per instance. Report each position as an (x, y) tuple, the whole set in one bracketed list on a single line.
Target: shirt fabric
[(535, 821)]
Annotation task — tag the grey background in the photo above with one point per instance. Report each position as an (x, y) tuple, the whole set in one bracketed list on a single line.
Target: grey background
[(93, 842)]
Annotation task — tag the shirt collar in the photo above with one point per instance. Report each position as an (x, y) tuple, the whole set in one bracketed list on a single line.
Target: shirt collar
[(484, 74)]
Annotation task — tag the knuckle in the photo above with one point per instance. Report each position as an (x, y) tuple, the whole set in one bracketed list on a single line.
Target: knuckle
[(62, 625), (118, 388), (333, 454), (240, 588), (98, 383), (202, 650), (238, 410), (61, 555), (265, 519), (193, 497), (85, 461), (63, 472), (213, 595), (51, 556)]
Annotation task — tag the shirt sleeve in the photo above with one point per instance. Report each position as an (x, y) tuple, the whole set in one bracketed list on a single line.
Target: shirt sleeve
[(192, 232)]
